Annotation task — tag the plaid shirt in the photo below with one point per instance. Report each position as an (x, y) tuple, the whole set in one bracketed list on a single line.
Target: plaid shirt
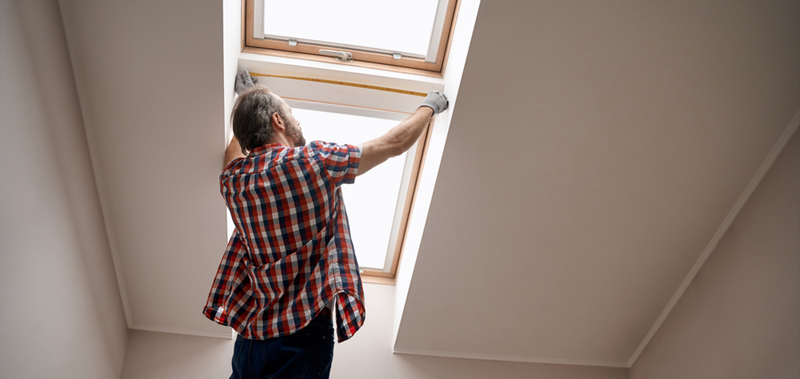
[(291, 252)]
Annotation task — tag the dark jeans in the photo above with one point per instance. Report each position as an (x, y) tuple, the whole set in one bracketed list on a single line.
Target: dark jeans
[(307, 353)]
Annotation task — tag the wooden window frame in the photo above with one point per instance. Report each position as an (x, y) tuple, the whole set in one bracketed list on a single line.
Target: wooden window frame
[(360, 58), (380, 277)]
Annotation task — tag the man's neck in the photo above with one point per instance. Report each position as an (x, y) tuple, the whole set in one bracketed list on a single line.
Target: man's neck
[(281, 139)]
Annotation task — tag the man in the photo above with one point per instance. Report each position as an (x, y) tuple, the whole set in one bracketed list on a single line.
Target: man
[(290, 263)]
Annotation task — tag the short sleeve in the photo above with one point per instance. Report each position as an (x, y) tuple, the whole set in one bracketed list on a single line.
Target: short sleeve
[(340, 161)]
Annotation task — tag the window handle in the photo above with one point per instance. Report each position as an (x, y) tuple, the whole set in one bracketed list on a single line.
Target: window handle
[(341, 56)]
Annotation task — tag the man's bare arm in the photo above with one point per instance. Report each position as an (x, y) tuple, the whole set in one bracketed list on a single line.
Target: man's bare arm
[(395, 142), (232, 152), (400, 138)]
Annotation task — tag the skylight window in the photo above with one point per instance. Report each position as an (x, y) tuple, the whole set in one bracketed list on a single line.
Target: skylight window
[(376, 201), (408, 33), (403, 27)]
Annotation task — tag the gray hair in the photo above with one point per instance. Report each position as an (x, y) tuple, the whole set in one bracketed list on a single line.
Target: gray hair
[(252, 117)]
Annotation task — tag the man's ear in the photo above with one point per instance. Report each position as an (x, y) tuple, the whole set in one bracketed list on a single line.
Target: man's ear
[(277, 122)]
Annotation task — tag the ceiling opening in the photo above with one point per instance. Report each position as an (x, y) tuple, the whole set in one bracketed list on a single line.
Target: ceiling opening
[(358, 99)]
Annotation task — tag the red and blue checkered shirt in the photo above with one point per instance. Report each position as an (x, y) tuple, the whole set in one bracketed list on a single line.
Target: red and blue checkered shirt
[(291, 252)]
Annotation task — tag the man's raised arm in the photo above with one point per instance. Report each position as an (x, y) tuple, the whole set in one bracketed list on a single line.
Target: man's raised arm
[(400, 138), (233, 151)]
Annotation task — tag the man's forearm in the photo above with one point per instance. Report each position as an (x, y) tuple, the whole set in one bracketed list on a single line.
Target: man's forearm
[(396, 141), (408, 131), (233, 151), (405, 134)]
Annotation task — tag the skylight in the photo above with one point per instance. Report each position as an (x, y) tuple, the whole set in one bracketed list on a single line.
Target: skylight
[(393, 26), (408, 33)]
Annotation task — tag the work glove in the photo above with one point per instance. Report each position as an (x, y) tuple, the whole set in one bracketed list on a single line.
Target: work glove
[(244, 82), (436, 101)]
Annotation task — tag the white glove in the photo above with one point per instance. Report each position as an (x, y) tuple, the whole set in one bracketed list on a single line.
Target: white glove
[(436, 101), (244, 82)]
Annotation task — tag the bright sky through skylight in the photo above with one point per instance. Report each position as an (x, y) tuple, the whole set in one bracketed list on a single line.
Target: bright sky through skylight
[(372, 200), (397, 26)]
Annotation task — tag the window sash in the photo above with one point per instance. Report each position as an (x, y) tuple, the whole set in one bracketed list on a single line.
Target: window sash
[(433, 61)]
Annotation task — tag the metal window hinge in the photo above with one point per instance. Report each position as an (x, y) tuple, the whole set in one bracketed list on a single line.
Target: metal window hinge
[(341, 56), (292, 42), (396, 55)]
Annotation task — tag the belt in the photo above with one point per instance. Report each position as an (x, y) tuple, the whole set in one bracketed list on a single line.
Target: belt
[(325, 312)]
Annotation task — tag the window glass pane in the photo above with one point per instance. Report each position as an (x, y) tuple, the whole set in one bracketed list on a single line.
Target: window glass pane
[(392, 26), (371, 201)]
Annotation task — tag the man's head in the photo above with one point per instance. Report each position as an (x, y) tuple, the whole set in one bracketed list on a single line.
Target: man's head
[(260, 117)]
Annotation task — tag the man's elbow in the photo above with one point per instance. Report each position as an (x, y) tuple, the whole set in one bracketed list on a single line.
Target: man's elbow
[(397, 147), (228, 159), (398, 150)]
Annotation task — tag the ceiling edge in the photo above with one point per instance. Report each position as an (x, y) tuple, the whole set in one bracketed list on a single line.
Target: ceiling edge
[(227, 333), (509, 358), (726, 223), (97, 170)]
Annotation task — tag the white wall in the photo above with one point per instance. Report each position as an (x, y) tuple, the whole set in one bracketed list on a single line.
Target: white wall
[(368, 355), (231, 46), (595, 150), (154, 355), (739, 317), (453, 70), (61, 313)]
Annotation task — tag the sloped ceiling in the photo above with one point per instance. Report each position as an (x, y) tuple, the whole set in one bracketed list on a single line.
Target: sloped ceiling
[(595, 149), (149, 76)]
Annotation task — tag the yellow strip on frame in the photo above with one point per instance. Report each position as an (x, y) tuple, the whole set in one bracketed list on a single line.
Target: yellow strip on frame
[(366, 86)]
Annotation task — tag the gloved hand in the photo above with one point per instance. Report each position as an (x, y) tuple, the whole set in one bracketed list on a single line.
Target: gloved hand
[(436, 101), (244, 82)]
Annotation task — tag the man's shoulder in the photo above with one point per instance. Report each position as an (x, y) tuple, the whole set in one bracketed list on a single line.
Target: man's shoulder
[(233, 166), (319, 146)]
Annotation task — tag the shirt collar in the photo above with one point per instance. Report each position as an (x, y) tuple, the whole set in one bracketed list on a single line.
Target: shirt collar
[(263, 149)]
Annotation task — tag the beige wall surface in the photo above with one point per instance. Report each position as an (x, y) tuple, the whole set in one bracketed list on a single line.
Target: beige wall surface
[(61, 314), (739, 317), (369, 354), (152, 355)]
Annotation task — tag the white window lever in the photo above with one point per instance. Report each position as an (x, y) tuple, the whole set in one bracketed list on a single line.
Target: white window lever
[(341, 56)]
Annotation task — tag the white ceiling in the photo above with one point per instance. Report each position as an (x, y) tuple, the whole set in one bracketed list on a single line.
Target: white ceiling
[(595, 149)]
